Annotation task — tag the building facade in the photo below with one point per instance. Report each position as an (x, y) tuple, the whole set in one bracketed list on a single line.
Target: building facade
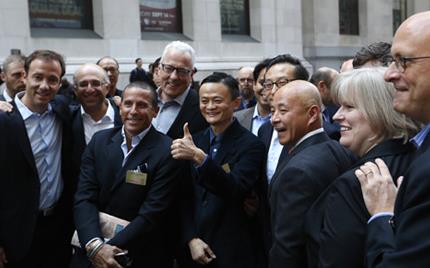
[(226, 34)]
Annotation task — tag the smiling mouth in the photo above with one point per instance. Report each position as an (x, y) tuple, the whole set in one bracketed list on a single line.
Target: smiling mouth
[(344, 128)]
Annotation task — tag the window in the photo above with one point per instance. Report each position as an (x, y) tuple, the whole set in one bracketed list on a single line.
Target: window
[(61, 14), (235, 17), (399, 13), (161, 16), (348, 17)]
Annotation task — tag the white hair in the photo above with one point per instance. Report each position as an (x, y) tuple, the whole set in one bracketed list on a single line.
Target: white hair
[(182, 47)]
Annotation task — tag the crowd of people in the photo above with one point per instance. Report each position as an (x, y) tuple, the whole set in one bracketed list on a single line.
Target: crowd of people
[(271, 168)]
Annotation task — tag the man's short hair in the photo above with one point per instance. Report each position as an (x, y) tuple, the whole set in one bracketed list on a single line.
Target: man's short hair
[(145, 86), (227, 80), (300, 72), (182, 47), (10, 59), (379, 51), (322, 74), (136, 60), (259, 67), (108, 57), (47, 55)]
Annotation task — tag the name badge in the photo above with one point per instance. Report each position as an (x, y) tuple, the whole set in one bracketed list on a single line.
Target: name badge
[(136, 177), (226, 168)]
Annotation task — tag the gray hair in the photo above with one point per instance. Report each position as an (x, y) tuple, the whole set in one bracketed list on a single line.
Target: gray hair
[(11, 59), (367, 90), (182, 47)]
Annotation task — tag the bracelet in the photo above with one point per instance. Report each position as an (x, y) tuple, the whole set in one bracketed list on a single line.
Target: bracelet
[(95, 249)]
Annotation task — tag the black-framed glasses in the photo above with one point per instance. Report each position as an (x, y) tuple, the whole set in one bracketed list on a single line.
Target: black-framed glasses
[(169, 69), (268, 85), (402, 62)]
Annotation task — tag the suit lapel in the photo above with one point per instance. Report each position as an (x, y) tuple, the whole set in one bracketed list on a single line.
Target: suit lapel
[(139, 155), (315, 139), (17, 123)]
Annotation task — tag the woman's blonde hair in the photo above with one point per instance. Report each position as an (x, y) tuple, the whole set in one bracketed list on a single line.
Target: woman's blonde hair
[(367, 90)]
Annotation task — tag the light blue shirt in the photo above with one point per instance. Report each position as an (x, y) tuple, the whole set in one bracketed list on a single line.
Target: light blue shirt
[(135, 140), (169, 110), (44, 132), (419, 138), (258, 120)]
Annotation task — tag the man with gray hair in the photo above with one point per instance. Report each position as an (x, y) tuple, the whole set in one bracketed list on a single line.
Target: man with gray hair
[(13, 76), (177, 101)]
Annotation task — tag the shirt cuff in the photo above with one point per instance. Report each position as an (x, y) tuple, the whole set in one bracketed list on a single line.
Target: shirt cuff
[(380, 214), (197, 166)]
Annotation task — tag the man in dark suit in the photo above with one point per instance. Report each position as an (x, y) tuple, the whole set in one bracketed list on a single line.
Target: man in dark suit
[(13, 75), (95, 111), (313, 161), (36, 189), (127, 172), (139, 74), (216, 230), (323, 79), (397, 232), (178, 102)]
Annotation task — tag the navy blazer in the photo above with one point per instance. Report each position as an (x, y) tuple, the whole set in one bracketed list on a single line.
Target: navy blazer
[(308, 170), (215, 213), (20, 183), (102, 187), (79, 143), (337, 222), (190, 112), (406, 241)]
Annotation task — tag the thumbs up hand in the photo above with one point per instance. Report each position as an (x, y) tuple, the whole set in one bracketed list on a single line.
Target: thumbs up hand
[(186, 149)]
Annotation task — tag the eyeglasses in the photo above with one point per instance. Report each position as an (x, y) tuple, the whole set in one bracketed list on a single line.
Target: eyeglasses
[(169, 69), (402, 62), (246, 80), (91, 83), (268, 85)]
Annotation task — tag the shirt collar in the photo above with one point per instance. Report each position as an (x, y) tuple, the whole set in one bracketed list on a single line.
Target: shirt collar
[(6, 95), (257, 115), (110, 113), (23, 110), (135, 139), (308, 135), (419, 138), (179, 99)]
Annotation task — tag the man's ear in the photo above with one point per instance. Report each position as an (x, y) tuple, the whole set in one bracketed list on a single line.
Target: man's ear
[(314, 113), (236, 102)]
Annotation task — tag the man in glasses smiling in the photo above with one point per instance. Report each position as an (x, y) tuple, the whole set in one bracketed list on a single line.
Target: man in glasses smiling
[(178, 102), (95, 111)]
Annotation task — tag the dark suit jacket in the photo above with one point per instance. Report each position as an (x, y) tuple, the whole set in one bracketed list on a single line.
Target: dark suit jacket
[(20, 183), (337, 222), (265, 134), (405, 242), (190, 112), (216, 213), (307, 171), (79, 133), (102, 187)]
